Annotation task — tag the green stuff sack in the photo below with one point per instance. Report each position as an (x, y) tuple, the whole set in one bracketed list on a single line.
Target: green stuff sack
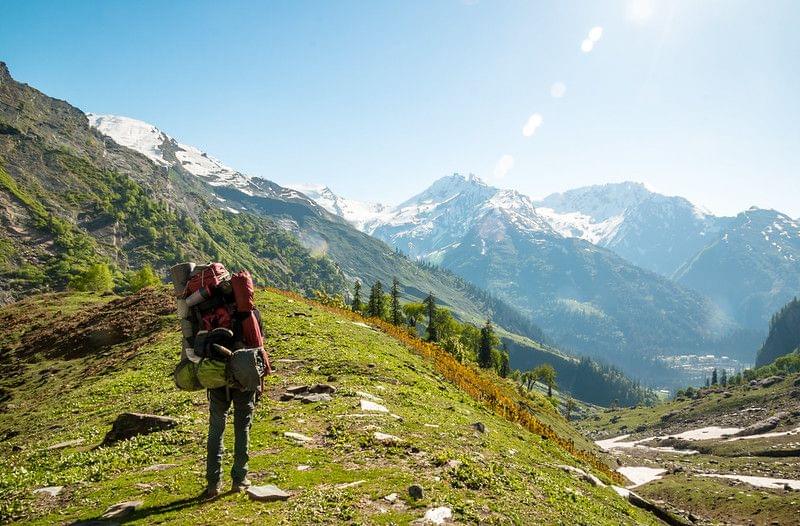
[(211, 374), (185, 375)]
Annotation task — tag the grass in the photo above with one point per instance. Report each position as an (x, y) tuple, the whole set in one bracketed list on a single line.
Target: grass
[(507, 475)]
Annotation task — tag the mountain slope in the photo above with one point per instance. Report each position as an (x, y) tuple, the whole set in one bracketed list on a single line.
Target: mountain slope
[(342, 474), (71, 198), (356, 254), (751, 268), (590, 299), (651, 230), (784, 334)]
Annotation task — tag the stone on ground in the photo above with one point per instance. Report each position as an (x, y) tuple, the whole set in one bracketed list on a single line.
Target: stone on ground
[(297, 437), (322, 388), (268, 493), (121, 509), (367, 405), (68, 443), (385, 438), (129, 425), (416, 492), (438, 515), (317, 397), (480, 427), (391, 497), (50, 491)]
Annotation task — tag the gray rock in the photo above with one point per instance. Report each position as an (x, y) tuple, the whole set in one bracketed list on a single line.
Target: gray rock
[(416, 492), (480, 427), (297, 389), (322, 388), (121, 509), (268, 493), (593, 480), (50, 491), (313, 398), (297, 437), (286, 397), (129, 425), (764, 426), (68, 443)]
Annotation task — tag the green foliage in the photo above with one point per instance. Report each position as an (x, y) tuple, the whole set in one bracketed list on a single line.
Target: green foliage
[(357, 305), (376, 307), (430, 307), (784, 334), (96, 278), (144, 277), (488, 342), (396, 312), (547, 375)]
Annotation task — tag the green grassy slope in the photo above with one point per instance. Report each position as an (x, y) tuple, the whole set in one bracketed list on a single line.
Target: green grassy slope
[(506, 475)]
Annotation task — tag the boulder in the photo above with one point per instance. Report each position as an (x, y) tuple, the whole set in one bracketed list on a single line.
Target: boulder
[(297, 437), (268, 493), (480, 427), (313, 398), (437, 515), (322, 388), (367, 405), (121, 509), (129, 425), (385, 438), (416, 492), (764, 426), (49, 491)]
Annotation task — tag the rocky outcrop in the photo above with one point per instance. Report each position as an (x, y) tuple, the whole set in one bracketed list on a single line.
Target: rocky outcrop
[(129, 425)]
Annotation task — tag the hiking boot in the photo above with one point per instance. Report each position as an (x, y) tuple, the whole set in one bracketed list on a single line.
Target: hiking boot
[(212, 491), (241, 485)]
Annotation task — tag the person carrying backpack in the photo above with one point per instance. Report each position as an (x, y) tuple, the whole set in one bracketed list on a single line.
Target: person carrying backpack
[(223, 352)]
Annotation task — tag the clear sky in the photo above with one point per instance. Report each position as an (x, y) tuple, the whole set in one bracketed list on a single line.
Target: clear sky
[(377, 99)]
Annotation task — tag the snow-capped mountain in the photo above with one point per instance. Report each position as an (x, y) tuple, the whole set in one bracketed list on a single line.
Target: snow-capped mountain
[(591, 299), (750, 268), (430, 223), (166, 151), (360, 214), (654, 231)]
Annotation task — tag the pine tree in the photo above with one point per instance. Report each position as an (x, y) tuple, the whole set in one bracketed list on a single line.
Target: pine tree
[(376, 307), (707, 381), (714, 377), (430, 304), (397, 317), (486, 345), (505, 366), (724, 378), (357, 306)]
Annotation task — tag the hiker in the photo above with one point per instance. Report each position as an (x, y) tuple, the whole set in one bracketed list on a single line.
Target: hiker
[(223, 352)]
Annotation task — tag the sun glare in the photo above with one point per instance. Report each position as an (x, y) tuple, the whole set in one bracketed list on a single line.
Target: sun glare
[(640, 10)]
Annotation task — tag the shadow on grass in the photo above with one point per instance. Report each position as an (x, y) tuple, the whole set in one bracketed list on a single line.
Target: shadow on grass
[(145, 513)]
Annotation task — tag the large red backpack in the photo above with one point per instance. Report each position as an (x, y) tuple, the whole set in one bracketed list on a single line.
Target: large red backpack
[(212, 299)]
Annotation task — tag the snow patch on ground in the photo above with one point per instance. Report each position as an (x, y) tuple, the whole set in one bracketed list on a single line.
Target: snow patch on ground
[(761, 482), (640, 474)]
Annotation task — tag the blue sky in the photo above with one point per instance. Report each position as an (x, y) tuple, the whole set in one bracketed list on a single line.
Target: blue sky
[(377, 99)]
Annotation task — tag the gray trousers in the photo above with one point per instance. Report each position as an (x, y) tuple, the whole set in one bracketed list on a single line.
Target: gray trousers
[(244, 402)]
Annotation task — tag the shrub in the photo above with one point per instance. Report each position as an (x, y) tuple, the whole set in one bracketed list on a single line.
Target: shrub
[(96, 278), (144, 277)]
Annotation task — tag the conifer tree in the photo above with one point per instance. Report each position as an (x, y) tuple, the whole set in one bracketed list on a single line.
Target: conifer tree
[(724, 378), (376, 307), (505, 366), (357, 306), (397, 317), (714, 377), (486, 345), (430, 304)]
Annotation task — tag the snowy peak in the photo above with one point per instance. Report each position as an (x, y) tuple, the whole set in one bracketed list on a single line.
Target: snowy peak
[(134, 134), (446, 188), (359, 213), (600, 202), (166, 151)]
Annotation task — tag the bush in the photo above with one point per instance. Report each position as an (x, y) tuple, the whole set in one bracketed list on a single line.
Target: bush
[(145, 277), (96, 278)]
